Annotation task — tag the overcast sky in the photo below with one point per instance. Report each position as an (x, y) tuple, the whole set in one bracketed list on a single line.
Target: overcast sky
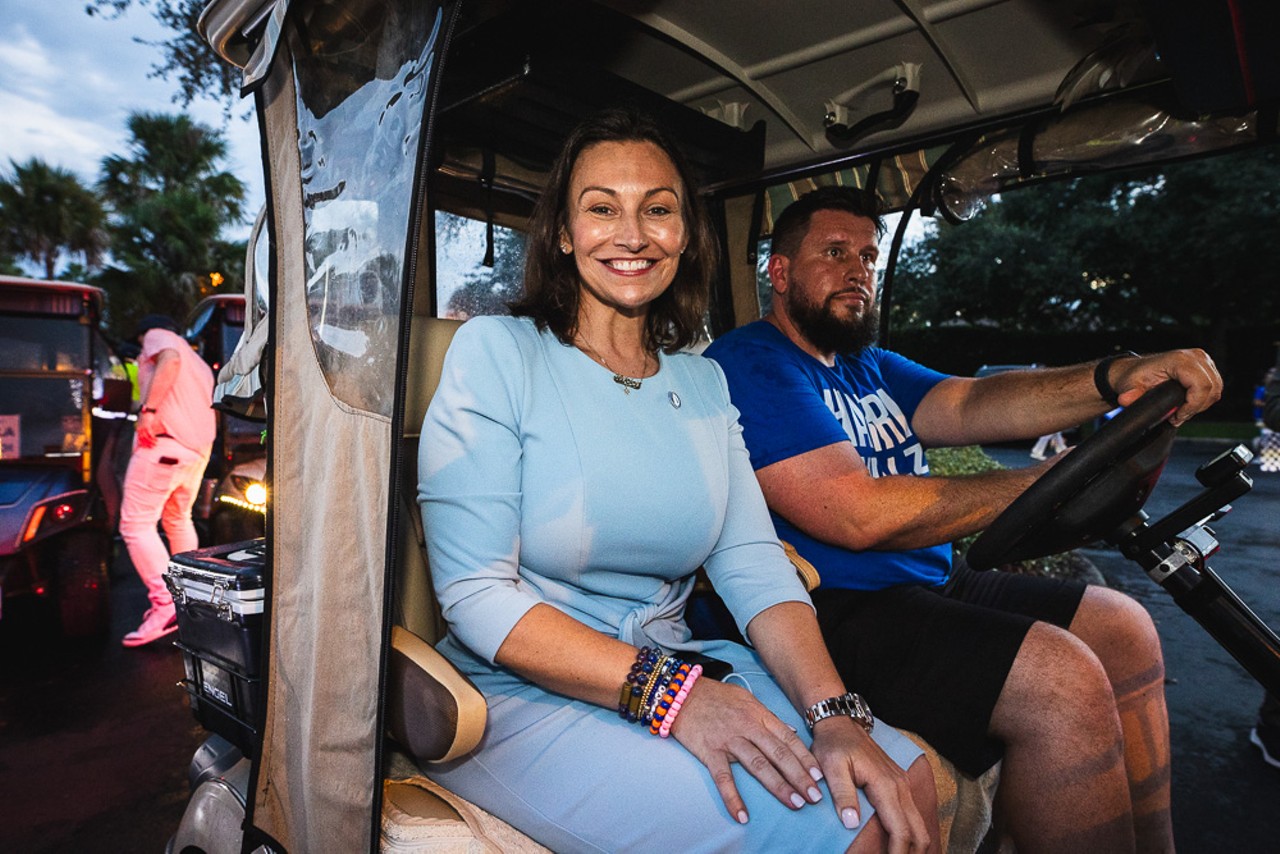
[(69, 81)]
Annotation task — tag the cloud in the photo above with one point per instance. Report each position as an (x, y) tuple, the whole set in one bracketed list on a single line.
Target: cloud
[(35, 130), (68, 82), (24, 61)]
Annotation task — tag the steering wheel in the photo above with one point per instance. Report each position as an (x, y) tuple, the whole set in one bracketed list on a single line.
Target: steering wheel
[(1104, 481)]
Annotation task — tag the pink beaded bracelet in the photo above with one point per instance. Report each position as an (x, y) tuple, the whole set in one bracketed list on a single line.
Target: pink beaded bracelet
[(670, 718), (662, 701)]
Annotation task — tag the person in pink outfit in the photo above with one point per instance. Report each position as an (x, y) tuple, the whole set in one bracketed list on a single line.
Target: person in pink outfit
[(174, 435)]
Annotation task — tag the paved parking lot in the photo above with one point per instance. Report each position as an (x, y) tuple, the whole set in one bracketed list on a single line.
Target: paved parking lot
[(95, 739)]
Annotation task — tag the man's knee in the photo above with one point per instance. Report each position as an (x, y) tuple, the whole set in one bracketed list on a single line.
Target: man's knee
[(871, 838), (1122, 634), (1057, 688)]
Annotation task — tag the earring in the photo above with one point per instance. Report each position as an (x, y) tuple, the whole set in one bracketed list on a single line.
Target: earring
[(566, 248)]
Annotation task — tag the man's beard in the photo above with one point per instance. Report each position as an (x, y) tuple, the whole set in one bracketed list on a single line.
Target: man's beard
[(831, 334)]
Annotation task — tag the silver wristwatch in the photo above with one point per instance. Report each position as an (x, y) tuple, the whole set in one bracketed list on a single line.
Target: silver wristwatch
[(846, 704)]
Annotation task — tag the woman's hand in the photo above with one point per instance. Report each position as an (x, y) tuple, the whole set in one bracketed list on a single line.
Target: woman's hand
[(851, 760), (721, 724)]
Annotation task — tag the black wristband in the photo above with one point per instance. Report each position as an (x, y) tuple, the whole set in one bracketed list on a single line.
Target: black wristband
[(1102, 382), (147, 409)]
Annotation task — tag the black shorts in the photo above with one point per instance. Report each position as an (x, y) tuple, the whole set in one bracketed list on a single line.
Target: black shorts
[(933, 660)]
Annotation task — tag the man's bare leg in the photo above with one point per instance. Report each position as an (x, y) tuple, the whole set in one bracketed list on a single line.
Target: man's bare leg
[(1063, 786), (1121, 634)]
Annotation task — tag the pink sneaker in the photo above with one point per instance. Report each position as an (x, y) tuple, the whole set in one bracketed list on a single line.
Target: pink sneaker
[(156, 623)]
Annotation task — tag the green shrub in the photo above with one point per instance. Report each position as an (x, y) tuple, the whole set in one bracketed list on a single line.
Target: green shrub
[(970, 460)]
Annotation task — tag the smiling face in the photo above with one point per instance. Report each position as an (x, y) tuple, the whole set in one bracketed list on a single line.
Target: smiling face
[(625, 225), (828, 288)]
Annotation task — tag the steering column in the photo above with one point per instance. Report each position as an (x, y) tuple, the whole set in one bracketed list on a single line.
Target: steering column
[(1175, 551)]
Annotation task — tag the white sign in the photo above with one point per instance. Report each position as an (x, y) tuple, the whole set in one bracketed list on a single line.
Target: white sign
[(10, 436)]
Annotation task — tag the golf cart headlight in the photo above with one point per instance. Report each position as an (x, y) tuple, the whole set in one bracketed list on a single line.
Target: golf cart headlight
[(256, 494), (252, 493)]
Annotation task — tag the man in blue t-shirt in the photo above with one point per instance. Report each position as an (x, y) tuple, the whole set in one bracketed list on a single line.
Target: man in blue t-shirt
[(1062, 681)]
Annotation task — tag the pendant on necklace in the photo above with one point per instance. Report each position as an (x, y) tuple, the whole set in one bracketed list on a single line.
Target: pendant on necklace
[(627, 383)]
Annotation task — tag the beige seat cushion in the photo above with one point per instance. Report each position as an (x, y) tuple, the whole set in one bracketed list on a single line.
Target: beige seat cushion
[(419, 816)]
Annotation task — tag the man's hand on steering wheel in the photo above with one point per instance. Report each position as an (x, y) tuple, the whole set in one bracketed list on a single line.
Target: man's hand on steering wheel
[(1193, 369)]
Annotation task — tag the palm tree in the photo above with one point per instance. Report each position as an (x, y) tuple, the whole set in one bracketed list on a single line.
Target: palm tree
[(45, 211), (169, 202)]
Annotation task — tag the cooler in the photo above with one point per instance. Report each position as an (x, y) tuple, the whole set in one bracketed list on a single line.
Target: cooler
[(218, 594)]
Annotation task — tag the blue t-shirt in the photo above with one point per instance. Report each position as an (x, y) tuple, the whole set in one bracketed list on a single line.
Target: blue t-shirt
[(790, 403)]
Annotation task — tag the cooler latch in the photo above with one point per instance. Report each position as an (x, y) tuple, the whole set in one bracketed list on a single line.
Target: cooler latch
[(176, 590), (218, 599)]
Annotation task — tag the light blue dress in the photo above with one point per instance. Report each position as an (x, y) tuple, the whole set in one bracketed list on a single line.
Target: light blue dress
[(543, 482)]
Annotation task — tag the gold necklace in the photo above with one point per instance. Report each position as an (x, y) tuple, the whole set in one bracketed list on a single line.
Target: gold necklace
[(627, 383)]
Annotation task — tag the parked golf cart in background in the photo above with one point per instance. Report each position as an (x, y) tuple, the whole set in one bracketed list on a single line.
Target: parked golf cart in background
[(380, 116), (232, 501), (63, 399)]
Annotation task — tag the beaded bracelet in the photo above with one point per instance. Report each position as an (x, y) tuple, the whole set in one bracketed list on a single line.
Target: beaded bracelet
[(633, 688), (664, 731), (653, 697), (663, 705), (643, 686), (654, 689), (646, 696)]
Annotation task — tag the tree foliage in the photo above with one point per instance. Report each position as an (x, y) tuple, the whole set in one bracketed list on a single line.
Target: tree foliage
[(46, 212), (168, 202), (187, 58), (1190, 246), (1017, 265), (1198, 246), (461, 244), (488, 290)]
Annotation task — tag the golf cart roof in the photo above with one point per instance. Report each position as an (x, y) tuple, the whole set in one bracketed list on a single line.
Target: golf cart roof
[(42, 296), (764, 94)]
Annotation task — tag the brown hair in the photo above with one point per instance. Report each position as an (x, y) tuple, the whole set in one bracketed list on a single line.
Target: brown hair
[(791, 226), (551, 287)]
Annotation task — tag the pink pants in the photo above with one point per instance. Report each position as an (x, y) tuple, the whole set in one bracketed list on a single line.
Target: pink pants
[(160, 486)]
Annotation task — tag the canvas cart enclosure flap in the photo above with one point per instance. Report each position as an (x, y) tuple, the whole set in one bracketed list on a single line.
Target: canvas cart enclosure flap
[(239, 385), (343, 105)]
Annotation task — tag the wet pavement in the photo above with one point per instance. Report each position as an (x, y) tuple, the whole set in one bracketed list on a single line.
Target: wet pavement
[(95, 739), (1225, 799)]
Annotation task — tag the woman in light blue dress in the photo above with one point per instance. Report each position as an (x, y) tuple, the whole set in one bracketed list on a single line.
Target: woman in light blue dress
[(576, 469)]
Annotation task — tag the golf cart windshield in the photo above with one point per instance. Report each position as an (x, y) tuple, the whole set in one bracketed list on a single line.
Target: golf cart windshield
[(43, 343), (43, 384)]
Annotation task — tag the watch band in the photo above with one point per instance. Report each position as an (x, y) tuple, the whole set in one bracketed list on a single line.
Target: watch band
[(150, 409), (1101, 380), (850, 705)]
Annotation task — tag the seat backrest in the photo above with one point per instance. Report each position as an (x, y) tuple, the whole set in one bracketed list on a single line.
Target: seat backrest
[(415, 607), (429, 340), (432, 710)]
